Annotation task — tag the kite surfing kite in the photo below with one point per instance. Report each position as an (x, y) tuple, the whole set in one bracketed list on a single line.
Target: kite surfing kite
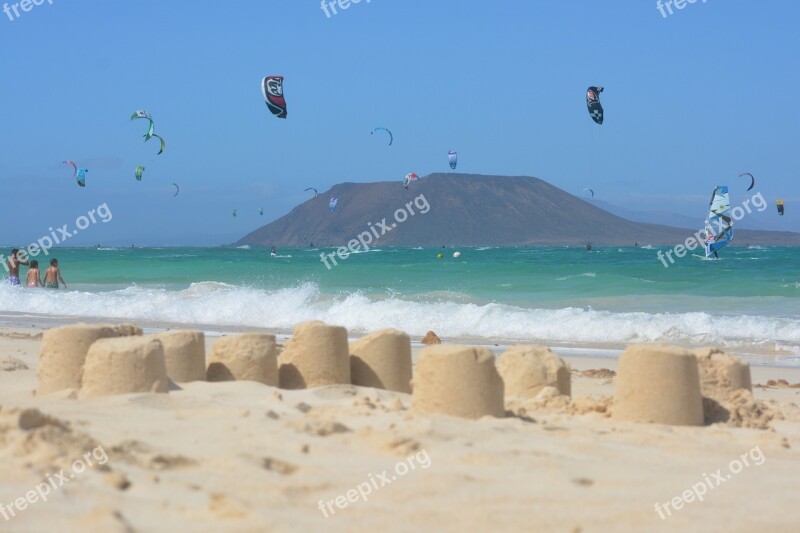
[(452, 158), (391, 137), (593, 103), (590, 190), (719, 227), (261, 211), (82, 177), (139, 172), (144, 115), (78, 173), (163, 144), (177, 189), (312, 189), (752, 179), (780, 207), (272, 89), (409, 178), (234, 212), (332, 204)]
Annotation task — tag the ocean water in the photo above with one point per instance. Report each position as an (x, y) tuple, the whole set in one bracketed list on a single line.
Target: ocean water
[(748, 302)]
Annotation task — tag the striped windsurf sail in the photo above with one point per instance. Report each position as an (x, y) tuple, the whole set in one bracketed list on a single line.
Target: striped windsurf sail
[(719, 227)]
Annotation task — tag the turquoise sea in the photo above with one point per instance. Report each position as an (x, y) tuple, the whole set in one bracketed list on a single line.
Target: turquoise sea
[(747, 302)]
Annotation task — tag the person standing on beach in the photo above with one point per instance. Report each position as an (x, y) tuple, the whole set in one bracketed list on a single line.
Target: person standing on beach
[(52, 275), (13, 267)]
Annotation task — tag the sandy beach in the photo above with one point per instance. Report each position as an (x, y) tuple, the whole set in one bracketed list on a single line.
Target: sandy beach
[(243, 456)]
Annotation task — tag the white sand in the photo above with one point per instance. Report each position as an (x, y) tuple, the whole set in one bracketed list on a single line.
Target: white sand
[(243, 456)]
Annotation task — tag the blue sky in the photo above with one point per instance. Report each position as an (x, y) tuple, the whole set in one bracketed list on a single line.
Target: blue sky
[(692, 100)]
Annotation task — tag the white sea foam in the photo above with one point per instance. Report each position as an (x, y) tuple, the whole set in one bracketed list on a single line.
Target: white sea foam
[(220, 304), (584, 275)]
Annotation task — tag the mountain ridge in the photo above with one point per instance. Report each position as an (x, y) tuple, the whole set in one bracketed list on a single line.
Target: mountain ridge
[(471, 210)]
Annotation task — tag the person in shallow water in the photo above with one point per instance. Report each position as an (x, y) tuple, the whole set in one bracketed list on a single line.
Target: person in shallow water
[(13, 267), (53, 275), (34, 278)]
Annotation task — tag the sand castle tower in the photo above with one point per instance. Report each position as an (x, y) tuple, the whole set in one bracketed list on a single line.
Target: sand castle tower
[(526, 370), (658, 383), (315, 356), (458, 381), (382, 360), (124, 365), (248, 357), (184, 354)]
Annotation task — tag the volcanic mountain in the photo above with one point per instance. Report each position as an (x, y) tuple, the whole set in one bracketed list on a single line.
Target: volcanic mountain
[(469, 210)]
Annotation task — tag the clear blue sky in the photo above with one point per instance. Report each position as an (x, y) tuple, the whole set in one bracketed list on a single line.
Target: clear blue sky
[(691, 101)]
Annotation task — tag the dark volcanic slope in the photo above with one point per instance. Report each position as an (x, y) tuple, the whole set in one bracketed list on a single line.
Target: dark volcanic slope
[(468, 209)]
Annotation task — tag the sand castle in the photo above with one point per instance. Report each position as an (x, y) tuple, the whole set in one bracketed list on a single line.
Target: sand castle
[(184, 354), (248, 356), (459, 381), (655, 383), (315, 356), (64, 349), (382, 360), (124, 365), (658, 383), (526, 370)]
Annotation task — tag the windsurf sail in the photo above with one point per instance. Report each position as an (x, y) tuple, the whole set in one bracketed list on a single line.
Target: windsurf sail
[(719, 226), (333, 203), (779, 203)]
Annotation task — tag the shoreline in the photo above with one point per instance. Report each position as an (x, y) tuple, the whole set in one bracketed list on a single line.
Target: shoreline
[(601, 351)]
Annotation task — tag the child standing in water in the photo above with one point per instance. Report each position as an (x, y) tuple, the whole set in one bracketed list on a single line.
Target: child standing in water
[(34, 278), (52, 275)]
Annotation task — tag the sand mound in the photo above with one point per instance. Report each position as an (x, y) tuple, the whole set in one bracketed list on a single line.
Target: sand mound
[(727, 392), (64, 351), (781, 384), (658, 383), (46, 443), (124, 365), (184, 355), (458, 381), (526, 370), (315, 356), (598, 373), (431, 338), (11, 364), (382, 360), (721, 373), (245, 357)]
